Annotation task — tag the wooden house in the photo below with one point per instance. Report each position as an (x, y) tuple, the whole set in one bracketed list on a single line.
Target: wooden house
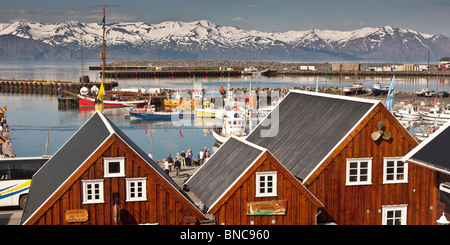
[(100, 177), (244, 184), (434, 154), (347, 152)]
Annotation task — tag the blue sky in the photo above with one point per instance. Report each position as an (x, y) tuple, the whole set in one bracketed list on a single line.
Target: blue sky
[(426, 16)]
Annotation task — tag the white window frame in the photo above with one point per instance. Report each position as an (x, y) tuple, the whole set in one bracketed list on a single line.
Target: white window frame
[(86, 184), (395, 168), (273, 193), (358, 174), (129, 181), (106, 162), (392, 208)]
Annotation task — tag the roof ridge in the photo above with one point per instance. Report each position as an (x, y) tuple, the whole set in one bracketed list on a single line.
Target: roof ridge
[(335, 96), (106, 122)]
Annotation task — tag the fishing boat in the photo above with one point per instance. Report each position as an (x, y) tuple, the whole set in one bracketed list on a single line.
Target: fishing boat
[(149, 112), (233, 124), (377, 88), (87, 101), (409, 112), (354, 89), (423, 134), (436, 114)]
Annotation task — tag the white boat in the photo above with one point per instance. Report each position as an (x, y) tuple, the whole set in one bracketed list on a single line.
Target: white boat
[(423, 134), (355, 89), (436, 114), (233, 124), (409, 112)]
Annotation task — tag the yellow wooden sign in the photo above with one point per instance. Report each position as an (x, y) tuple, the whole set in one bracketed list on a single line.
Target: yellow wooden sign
[(77, 215)]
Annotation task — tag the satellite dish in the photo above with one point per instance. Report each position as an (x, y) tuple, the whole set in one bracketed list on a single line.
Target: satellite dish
[(381, 133)]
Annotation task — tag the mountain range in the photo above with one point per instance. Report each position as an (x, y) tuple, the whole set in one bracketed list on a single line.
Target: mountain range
[(205, 40)]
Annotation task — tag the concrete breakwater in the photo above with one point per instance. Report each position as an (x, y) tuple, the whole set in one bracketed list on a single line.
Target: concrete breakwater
[(164, 67)]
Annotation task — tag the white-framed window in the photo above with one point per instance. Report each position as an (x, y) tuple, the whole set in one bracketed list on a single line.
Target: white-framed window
[(266, 184), (136, 189), (93, 191), (359, 171), (395, 171), (114, 167), (394, 214)]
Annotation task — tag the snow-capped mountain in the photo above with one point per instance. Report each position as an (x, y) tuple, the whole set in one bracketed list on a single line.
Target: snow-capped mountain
[(206, 40)]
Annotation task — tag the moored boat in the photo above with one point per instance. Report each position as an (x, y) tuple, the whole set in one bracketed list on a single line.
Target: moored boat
[(377, 88), (409, 112), (233, 124), (87, 101), (151, 114), (436, 114), (354, 89)]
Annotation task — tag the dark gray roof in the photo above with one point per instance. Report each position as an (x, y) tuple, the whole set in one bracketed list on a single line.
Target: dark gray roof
[(310, 127), (224, 167), (434, 151), (72, 155)]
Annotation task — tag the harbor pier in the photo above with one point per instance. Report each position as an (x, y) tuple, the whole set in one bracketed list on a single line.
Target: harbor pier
[(47, 86)]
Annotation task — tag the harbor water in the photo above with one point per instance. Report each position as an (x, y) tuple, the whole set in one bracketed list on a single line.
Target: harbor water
[(31, 117)]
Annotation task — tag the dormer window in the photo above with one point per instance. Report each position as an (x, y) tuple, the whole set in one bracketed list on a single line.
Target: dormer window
[(114, 167)]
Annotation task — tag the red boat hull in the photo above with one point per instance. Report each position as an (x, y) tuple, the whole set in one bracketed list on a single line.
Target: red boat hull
[(110, 104)]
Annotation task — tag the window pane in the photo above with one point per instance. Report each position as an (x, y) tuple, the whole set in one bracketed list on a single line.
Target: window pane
[(114, 167), (390, 214), (364, 164), (353, 164)]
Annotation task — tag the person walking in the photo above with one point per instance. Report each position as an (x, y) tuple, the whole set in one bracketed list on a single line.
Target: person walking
[(177, 166), (170, 161), (183, 158), (189, 157), (200, 157), (166, 167)]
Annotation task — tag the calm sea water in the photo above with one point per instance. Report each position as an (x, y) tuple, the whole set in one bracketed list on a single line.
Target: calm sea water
[(30, 117)]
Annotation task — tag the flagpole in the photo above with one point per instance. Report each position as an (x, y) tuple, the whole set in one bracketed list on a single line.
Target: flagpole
[(99, 100)]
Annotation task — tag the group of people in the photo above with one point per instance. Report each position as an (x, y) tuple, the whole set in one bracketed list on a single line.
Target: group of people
[(184, 159)]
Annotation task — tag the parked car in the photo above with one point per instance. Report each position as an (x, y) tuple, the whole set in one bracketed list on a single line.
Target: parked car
[(442, 94), (430, 93)]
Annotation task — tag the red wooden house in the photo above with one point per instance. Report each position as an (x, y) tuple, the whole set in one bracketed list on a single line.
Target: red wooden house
[(434, 154), (245, 184), (347, 152), (100, 177)]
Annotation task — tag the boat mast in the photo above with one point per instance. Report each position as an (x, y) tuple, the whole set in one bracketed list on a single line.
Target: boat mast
[(103, 53)]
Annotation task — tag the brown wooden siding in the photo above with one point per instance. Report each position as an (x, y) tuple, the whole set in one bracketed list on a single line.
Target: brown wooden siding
[(301, 207), (164, 204), (362, 204)]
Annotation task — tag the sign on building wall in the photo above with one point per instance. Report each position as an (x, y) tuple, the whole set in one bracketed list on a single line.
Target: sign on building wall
[(267, 208)]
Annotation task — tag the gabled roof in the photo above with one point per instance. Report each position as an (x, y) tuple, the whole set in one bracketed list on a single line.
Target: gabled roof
[(434, 152), (72, 155), (310, 126), (211, 181), (225, 168)]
